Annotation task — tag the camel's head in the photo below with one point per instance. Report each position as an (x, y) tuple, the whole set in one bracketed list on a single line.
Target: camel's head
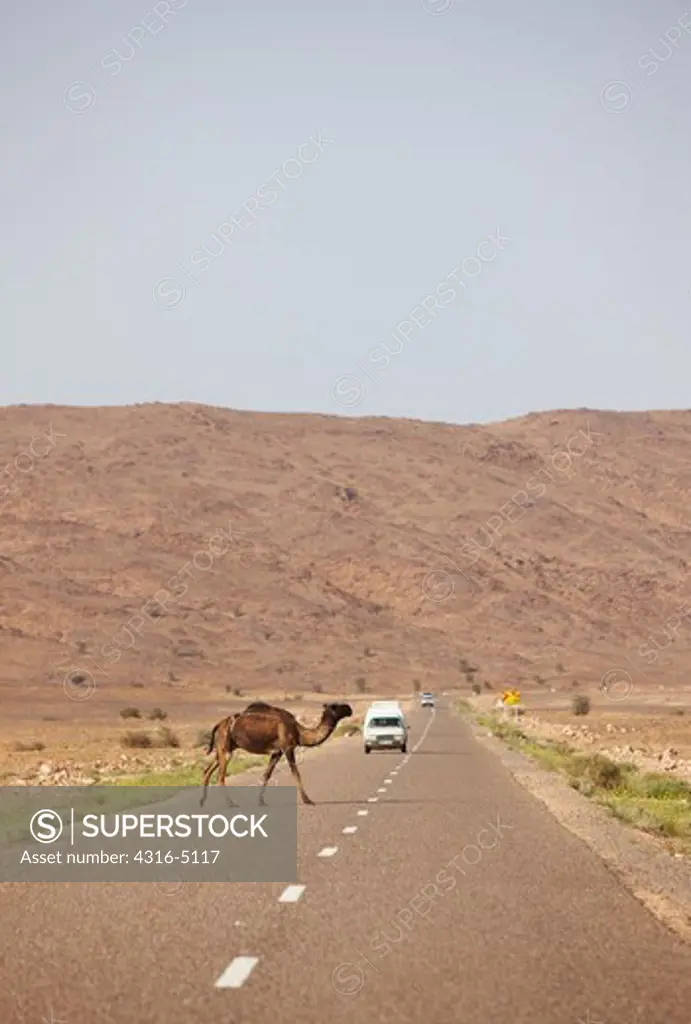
[(338, 711)]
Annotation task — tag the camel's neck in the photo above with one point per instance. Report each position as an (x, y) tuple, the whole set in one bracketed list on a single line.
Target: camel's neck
[(313, 737)]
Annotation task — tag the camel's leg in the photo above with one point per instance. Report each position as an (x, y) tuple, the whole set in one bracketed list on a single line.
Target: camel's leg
[(208, 772), (225, 756), (290, 758), (273, 761)]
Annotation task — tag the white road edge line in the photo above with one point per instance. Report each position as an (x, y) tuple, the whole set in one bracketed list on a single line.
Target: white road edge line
[(382, 790), (237, 972), (372, 799), (362, 814), (292, 894), (328, 851), (349, 829)]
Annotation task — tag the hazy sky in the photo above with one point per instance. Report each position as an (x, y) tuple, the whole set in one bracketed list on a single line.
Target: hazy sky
[(135, 131)]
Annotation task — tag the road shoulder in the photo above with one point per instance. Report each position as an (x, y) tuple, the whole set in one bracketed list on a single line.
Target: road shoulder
[(660, 881)]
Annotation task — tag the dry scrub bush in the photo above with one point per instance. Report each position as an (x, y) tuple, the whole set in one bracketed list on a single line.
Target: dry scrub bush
[(137, 740), (130, 712), (580, 704)]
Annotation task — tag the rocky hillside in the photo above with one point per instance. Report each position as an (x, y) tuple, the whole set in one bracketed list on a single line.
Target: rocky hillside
[(202, 545)]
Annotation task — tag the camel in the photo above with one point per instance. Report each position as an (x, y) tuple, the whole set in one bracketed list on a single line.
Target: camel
[(264, 729)]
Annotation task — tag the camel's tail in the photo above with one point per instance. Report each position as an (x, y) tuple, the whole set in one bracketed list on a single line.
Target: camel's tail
[(227, 722), (212, 738)]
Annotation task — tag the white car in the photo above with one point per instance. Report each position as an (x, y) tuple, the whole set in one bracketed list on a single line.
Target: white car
[(426, 700), (385, 727)]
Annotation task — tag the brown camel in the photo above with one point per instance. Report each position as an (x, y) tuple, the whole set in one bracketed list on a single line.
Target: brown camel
[(264, 729)]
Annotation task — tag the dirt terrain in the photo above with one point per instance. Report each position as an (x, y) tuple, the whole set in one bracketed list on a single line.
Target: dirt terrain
[(169, 555), (653, 734)]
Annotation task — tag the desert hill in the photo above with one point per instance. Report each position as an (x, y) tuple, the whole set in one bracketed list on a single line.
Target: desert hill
[(299, 551)]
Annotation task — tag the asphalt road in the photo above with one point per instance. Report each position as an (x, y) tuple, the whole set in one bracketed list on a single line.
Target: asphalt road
[(457, 898)]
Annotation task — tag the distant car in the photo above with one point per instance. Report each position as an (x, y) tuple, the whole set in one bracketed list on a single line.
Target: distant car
[(426, 700)]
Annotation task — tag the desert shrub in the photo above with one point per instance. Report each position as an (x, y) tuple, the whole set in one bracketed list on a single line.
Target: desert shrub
[(416, 685), (559, 667), (587, 773), (603, 773), (317, 687), (361, 684), (25, 747), (539, 680), (130, 712), (137, 686), (580, 704), (476, 688), (167, 738), (139, 740), (487, 685), (158, 714), (468, 670)]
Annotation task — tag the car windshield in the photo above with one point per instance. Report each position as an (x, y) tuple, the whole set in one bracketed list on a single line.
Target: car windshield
[(385, 723)]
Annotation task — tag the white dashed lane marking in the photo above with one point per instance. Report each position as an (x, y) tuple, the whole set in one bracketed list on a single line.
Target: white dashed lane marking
[(292, 894), (240, 968), (237, 972)]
